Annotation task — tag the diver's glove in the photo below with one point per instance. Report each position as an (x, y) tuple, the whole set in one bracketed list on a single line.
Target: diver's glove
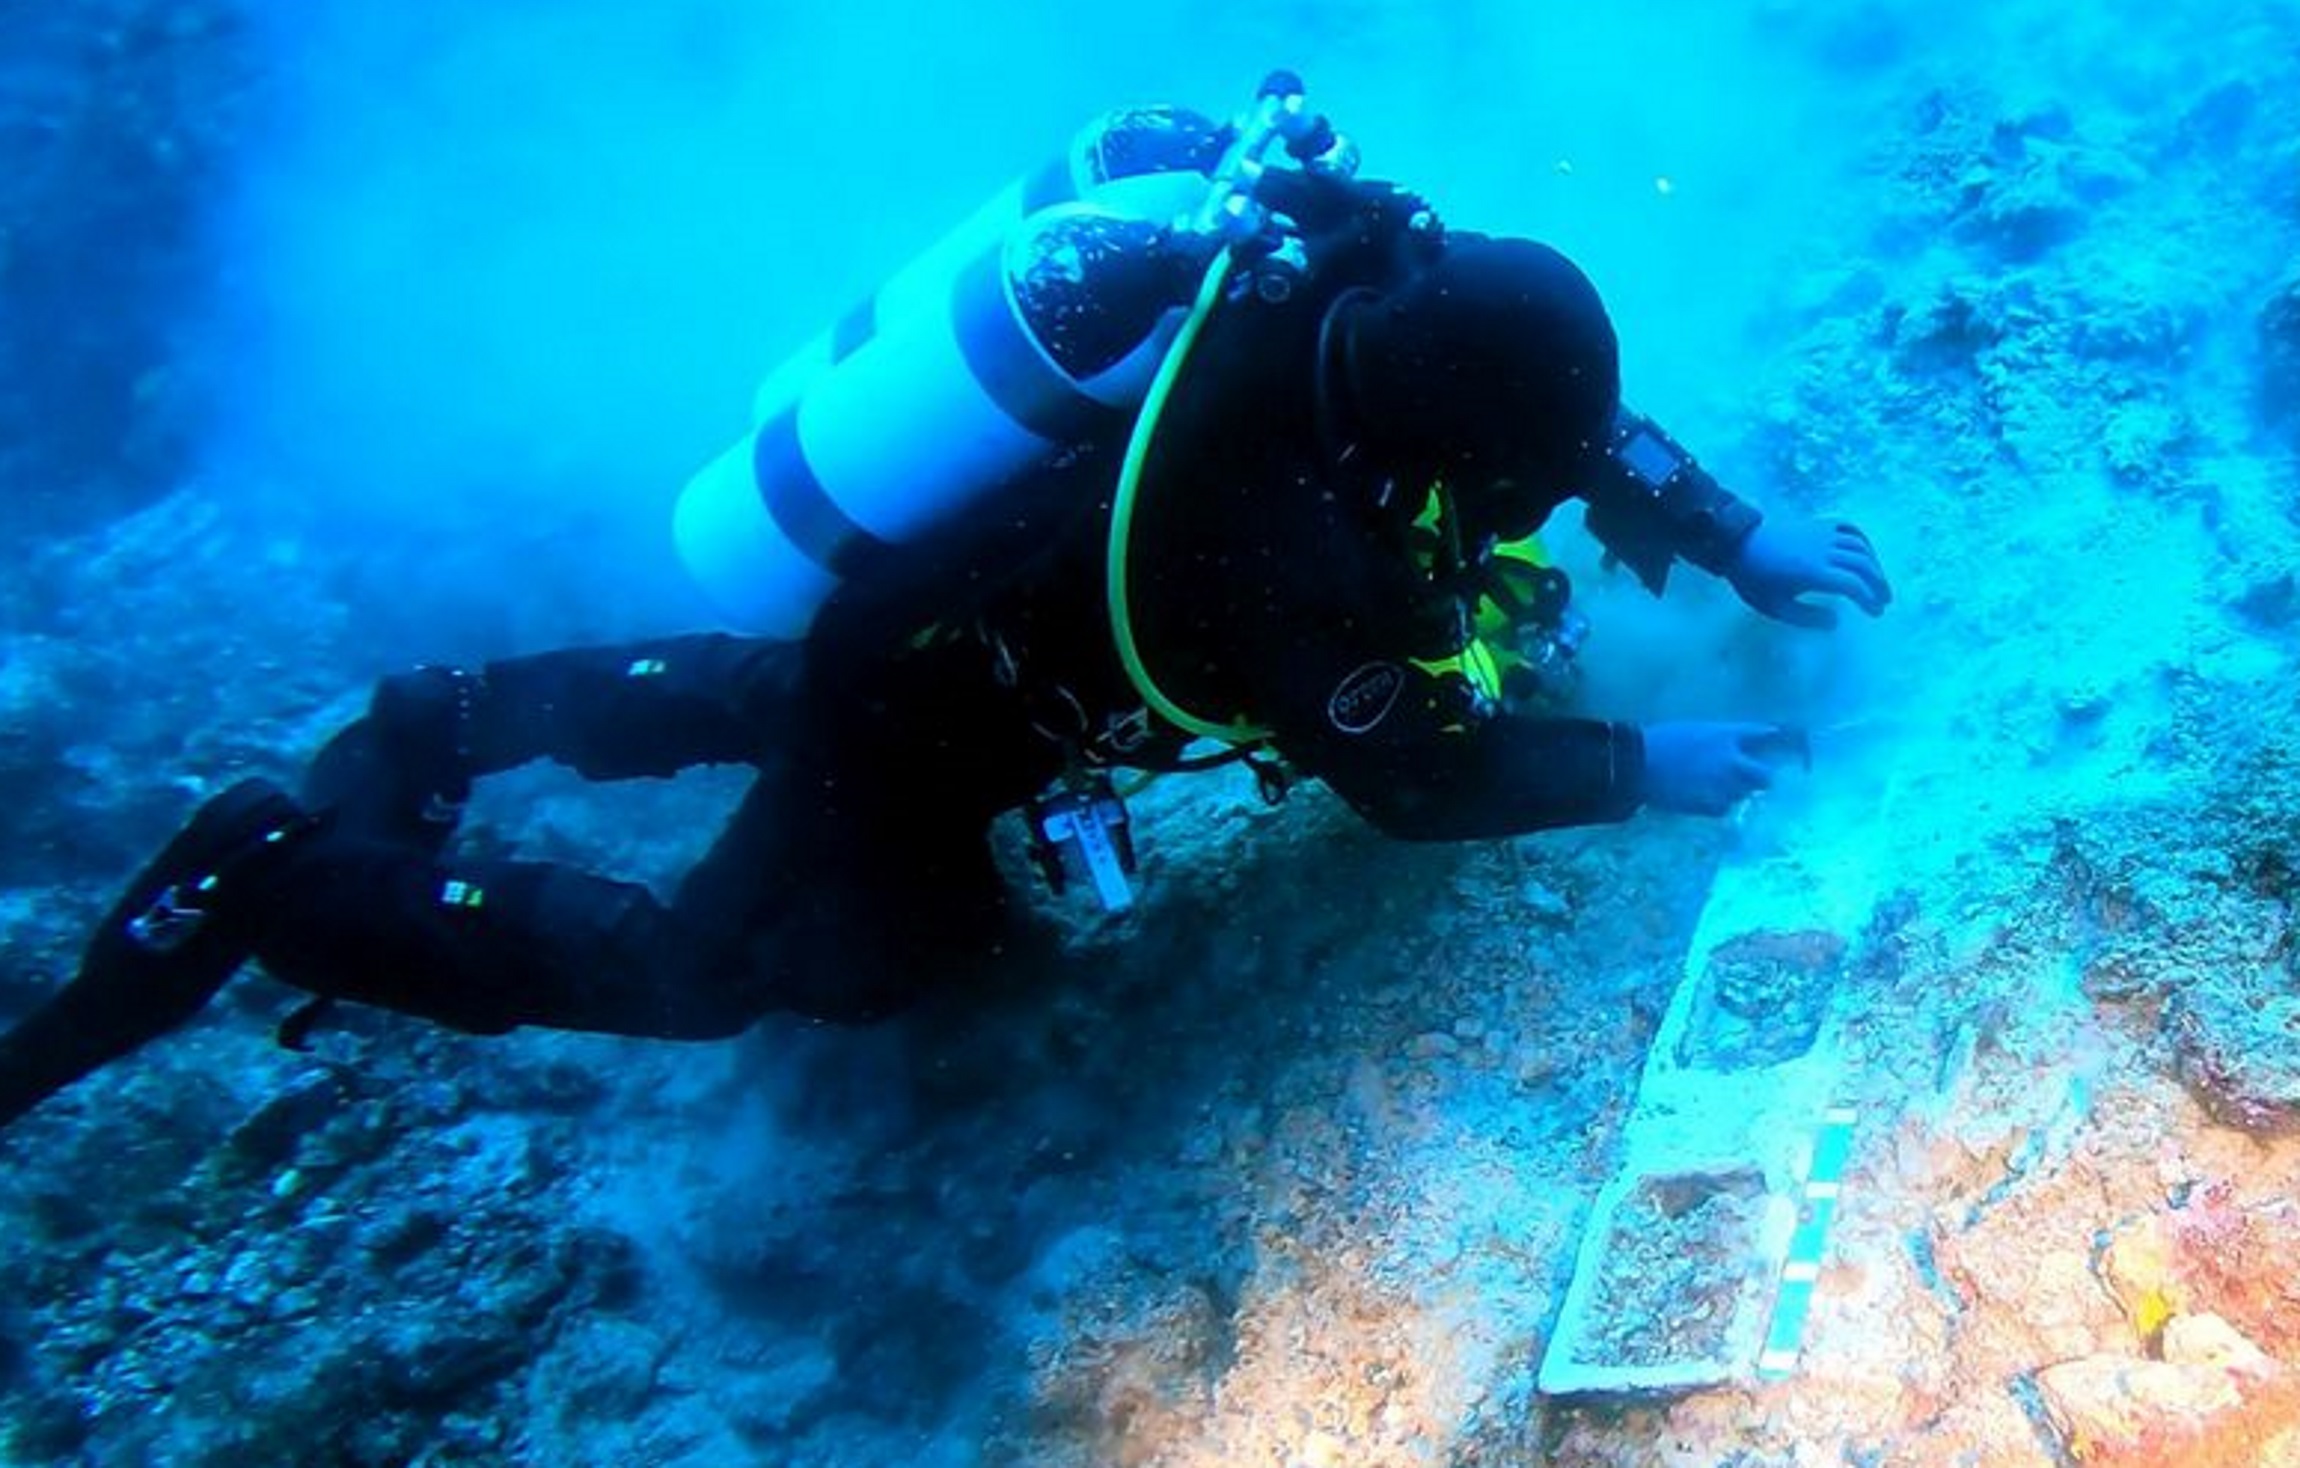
[(1703, 769), (1781, 562)]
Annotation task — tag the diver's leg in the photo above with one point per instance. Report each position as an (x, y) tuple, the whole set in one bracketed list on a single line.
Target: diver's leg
[(845, 895), (653, 708), (834, 928), (634, 709), (389, 787), (185, 923), (855, 876), (481, 946), (803, 904), (488, 946), (845, 887)]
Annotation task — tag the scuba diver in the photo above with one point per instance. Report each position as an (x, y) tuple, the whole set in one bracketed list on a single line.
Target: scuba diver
[(1186, 444)]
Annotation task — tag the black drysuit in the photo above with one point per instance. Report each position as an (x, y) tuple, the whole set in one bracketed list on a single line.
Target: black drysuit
[(1272, 581)]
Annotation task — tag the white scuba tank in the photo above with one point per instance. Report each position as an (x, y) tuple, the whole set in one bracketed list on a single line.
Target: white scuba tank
[(1037, 323)]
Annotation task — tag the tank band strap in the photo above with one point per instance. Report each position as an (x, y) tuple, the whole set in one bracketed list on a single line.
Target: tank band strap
[(802, 509)]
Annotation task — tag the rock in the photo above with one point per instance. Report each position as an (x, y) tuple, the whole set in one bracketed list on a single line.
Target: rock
[(2216, 1400), (2207, 1340), (2142, 440), (2233, 1260), (52, 1427), (271, 1134), (2236, 1037), (1948, 328), (2271, 603), (609, 1370), (2138, 1270), (2219, 119), (405, 1233), (1546, 904), (1433, 1046), (2278, 328), (787, 1392), (2083, 705), (2120, 1408), (550, 1087), (426, 1360), (2021, 207)]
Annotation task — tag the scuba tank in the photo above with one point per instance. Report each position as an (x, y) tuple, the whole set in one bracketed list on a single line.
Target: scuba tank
[(1034, 327), (1147, 163)]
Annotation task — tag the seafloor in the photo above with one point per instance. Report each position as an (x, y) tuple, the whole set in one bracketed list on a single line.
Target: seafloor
[(1290, 1166)]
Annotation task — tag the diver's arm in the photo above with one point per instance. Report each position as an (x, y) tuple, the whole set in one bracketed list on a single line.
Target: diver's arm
[(1505, 777), (1651, 504), (1398, 744), (1333, 646)]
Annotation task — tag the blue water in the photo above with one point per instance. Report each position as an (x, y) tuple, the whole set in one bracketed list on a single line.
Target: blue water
[(701, 186), (1289, 1168)]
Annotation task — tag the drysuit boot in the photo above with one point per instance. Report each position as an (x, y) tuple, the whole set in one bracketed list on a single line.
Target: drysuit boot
[(185, 923)]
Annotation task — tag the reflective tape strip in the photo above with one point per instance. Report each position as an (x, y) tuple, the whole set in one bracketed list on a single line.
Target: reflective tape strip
[(1801, 1272)]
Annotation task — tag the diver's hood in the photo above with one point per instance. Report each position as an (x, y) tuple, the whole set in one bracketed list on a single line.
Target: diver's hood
[(1496, 367)]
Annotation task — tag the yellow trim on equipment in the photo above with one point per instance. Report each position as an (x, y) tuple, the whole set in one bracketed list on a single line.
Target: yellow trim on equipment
[(1238, 731), (1483, 661)]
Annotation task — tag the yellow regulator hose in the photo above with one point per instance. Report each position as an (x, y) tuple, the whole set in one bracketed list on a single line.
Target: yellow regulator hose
[(1145, 432)]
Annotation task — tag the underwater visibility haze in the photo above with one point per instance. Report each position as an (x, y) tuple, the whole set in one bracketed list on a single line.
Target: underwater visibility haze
[(1937, 1105)]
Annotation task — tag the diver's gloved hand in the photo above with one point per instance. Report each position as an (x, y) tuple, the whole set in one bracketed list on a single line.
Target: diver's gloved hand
[(1704, 769), (1784, 561)]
